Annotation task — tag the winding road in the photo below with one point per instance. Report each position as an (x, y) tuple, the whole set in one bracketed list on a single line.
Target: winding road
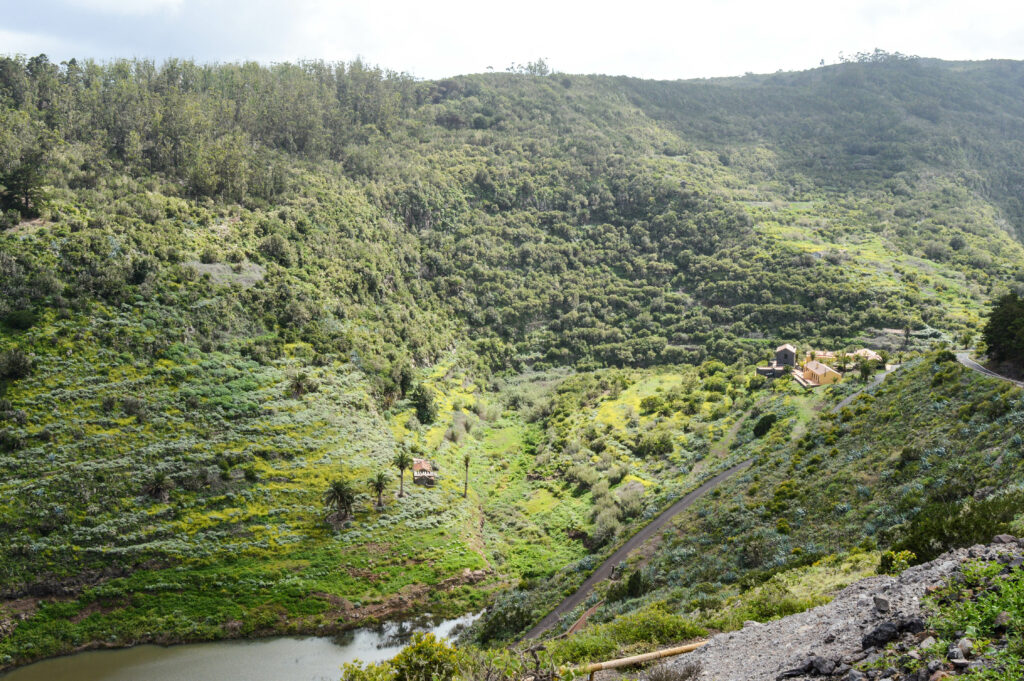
[(876, 380), (604, 571), (965, 359)]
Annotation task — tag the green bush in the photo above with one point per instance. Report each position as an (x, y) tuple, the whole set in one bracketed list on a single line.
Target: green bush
[(20, 320), (423, 402), (895, 562), (590, 645), (650, 404), (654, 444), (773, 601), (940, 527), (654, 625), (425, 659), (15, 364), (633, 587), (764, 424)]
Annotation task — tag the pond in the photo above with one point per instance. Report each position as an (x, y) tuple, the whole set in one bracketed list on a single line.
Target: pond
[(271, 659)]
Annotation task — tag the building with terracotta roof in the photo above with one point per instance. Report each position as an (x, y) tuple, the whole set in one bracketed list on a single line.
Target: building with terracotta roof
[(423, 472), (815, 373)]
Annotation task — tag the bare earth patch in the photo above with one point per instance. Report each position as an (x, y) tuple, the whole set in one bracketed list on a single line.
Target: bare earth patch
[(244, 274)]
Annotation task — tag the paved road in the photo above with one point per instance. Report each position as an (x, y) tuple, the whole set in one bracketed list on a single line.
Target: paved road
[(604, 571), (965, 359), (877, 380)]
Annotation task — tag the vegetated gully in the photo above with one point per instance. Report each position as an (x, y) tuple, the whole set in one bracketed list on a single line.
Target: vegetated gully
[(604, 571)]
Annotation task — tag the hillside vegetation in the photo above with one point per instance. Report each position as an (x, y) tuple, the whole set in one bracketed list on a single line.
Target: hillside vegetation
[(224, 287)]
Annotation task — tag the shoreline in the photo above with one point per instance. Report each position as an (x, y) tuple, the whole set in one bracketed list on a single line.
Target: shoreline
[(397, 608)]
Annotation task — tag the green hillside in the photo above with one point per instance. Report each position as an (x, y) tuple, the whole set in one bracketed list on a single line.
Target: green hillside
[(929, 460), (223, 287)]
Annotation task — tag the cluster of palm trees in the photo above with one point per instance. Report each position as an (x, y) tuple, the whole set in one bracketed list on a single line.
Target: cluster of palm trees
[(341, 494)]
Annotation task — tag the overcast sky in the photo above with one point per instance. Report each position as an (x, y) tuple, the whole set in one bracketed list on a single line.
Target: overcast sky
[(430, 39)]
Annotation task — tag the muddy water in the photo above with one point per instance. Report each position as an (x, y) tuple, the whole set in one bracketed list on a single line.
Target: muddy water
[(272, 659)]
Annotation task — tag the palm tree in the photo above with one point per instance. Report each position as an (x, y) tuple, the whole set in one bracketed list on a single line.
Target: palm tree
[(378, 484), (465, 463), (339, 496), (158, 487), (402, 461)]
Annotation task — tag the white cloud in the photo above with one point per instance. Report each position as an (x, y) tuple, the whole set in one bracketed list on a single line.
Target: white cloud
[(31, 44), (647, 38), (127, 7)]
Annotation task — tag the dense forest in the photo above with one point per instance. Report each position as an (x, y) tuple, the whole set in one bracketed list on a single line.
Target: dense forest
[(225, 289), (559, 219)]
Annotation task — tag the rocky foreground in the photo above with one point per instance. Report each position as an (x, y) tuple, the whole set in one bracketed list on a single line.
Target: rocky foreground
[(875, 629)]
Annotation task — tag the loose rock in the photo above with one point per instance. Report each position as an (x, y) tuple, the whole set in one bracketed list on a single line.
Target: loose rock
[(850, 630), (880, 635), (1002, 621)]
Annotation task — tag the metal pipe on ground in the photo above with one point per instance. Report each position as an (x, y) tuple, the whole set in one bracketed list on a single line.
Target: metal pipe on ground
[(635, 659)]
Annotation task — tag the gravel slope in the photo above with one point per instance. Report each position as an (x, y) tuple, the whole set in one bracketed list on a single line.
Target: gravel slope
[(832, 635)]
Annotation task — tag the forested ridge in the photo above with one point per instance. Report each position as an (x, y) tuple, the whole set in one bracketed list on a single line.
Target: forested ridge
[(562, 219), (224, 287)]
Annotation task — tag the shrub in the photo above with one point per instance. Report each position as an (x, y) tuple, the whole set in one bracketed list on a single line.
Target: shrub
[(631, 500), (276, 248), (583, 474), (773, 600), (667, 672), (9, 218), (423, 402), (654, 444), (133, 406), (15, 364), (617, 472), (650, 404), (764, 424), (634, 587), (942, 526), (589, 645), (909, 454), (425, 659), (895, 562), (20, 320), (510, 614), (605, 527), (654, 625)]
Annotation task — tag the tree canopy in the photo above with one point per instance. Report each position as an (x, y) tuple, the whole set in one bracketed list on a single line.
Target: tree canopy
[(1004, 332)]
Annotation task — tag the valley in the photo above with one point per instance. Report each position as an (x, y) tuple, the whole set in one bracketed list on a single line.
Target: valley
[(233, 295)]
